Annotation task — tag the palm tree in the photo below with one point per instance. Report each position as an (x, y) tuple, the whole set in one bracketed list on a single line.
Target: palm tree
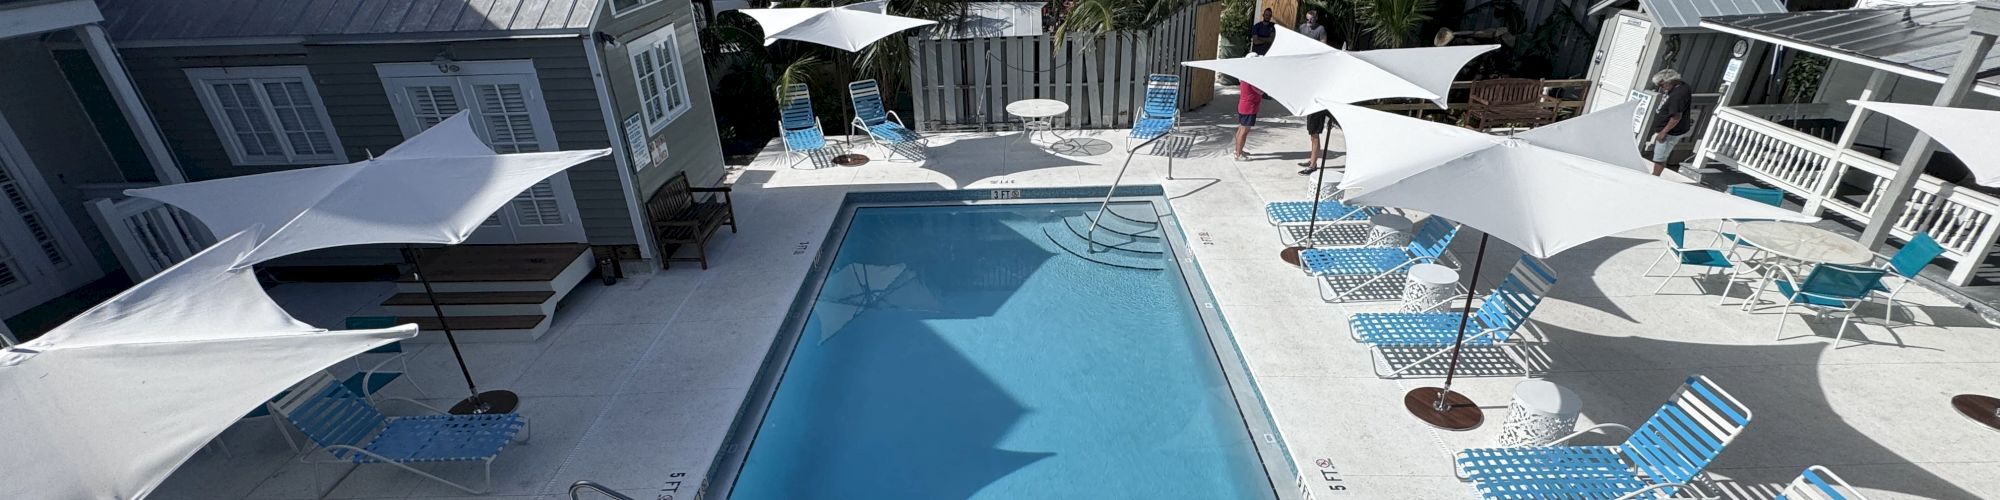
[(1106, 16), (1392, 23)]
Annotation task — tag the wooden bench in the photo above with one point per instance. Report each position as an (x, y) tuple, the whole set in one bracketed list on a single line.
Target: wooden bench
[(678, 218), (1511, 101)]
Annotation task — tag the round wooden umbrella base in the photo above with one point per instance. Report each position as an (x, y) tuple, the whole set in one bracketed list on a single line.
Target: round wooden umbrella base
[(487, 403), (1291, 256), (1459, 414), (850, 160), (1982, 409)]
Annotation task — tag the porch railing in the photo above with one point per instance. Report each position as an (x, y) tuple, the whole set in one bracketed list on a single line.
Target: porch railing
[(147, 236), (1834, 179)]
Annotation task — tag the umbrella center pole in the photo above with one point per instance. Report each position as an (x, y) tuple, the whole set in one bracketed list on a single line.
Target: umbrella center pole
[(1291, 254), (477, 403), (1438, 406)]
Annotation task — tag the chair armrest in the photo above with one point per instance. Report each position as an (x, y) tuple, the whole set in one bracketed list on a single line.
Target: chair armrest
[(1479, 100), (1649, 489), (1587, 430), (369, 374), (717, 189), (897, 118), (676, 222)]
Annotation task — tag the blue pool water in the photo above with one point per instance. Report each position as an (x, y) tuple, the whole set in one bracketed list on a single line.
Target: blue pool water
[(957, 352)]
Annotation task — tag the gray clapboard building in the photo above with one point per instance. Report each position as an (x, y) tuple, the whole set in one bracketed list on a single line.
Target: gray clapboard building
[(204, 89)]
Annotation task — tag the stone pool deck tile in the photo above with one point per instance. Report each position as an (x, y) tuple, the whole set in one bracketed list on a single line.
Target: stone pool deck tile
[(638, 384)]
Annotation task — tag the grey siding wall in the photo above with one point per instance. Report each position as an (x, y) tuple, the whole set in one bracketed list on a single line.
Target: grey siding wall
[(361, 114), (57, 134), (693, 143)]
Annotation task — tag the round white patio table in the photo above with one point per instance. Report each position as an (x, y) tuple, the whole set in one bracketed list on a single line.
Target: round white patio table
[(1036, 114), (1429, 287), (1541, 412), (1803, 243)]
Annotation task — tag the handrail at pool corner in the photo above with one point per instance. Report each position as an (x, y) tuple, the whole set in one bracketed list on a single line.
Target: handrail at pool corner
[(578, 487), (1090, 237)]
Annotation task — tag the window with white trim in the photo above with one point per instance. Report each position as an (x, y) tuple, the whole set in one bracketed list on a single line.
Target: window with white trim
[(656, 68), (268, 115), (623, 7)]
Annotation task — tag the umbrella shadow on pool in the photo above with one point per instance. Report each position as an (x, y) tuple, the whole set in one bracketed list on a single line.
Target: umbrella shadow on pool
[(973, 158), (1794, 424), (912, 416)]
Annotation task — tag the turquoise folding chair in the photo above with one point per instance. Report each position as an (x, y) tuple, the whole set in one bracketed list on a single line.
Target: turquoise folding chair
[(348, 427), (1663, 455), (801, 129), (1428, 245), (884, 127), (1716, 260), (1829, 288), (1497, 321), (1909, 261), (1818, 483), (1160, 110)]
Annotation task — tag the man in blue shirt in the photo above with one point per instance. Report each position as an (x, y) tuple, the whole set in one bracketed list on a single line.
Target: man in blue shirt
[(1262, 33)]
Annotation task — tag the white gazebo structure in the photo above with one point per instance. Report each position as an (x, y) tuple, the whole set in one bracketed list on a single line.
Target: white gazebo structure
[(1841, 160)]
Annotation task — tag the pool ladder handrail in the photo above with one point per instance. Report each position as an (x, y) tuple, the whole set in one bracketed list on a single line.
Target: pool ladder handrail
[(1090, 237), (578, 487)]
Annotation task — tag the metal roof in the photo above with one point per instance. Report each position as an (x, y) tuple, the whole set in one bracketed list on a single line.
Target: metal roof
[(1672, 14), (155, 20), (1913, 41)]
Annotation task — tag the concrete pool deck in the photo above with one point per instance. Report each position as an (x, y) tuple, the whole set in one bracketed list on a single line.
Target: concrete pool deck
[(639, 381)]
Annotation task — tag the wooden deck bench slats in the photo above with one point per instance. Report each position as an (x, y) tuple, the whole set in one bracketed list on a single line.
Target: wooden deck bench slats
[(678, 218)]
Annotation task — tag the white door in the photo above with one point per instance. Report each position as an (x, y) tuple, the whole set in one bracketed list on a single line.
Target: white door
[(508, 112), (41, 256), (1622, 45)]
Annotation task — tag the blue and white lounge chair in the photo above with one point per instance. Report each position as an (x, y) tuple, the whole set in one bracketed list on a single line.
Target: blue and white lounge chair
[(801, 129), (1829, 288), (1661, 456), (1428, 245), (884, 128), (1161, 109), (1817, 483), (347, 426), (1497, 321)]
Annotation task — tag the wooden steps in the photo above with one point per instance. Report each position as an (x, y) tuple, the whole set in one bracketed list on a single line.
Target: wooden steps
[(491, 293)]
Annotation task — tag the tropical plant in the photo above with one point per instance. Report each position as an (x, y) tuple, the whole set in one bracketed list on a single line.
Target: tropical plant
[(1394, 23), (1236, 24), (1106, 16)]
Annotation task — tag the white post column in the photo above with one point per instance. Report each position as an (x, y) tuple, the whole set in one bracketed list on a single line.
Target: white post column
[(120, 83), (1981, 27), (1830, 179)]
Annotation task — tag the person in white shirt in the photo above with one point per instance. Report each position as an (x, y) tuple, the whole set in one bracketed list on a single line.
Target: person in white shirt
[(1311, 28)]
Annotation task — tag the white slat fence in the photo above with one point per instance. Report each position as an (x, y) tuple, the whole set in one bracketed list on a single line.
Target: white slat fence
[(965, 84)]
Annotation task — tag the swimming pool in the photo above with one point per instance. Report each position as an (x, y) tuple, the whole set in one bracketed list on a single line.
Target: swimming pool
[(982, 351)]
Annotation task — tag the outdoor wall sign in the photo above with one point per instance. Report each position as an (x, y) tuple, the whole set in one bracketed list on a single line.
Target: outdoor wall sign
[(635, 142)]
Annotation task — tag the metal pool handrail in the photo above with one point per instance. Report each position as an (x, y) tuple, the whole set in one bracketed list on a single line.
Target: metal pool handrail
[(578, 487), (1090, 237)]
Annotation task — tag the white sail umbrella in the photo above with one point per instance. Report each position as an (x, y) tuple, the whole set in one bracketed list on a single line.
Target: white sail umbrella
[(1545, 190), (1968, 133), (1303, 74), (111, 402), (437, 187), (848, 27)]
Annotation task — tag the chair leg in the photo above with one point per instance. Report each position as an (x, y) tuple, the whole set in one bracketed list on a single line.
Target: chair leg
[(1889, 304), (1668, 279), (1782, 316), (1656, 262), (1842, 332), (1727, 285)]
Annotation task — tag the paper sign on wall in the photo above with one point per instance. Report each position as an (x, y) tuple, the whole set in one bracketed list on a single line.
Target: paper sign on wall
[(635, 142)]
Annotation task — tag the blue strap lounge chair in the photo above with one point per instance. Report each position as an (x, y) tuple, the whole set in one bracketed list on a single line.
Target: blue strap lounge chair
[(1662, 455), (1818, 483), (884, 127), (1829, 288), (801, 129), (352, 430), (367, 382), (1161, 109), (1497, 321), (1909, 261), (1428, 245)]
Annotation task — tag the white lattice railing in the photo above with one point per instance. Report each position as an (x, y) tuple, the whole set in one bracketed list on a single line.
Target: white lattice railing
[(1963, 221), (148, 236)]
